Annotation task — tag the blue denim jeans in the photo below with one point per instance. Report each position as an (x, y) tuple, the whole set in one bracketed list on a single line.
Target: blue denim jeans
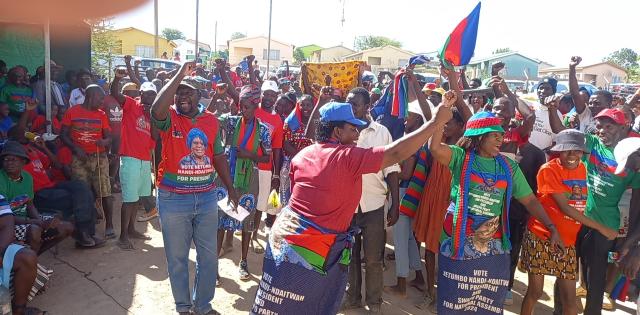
[(405, 246), (186, 218)]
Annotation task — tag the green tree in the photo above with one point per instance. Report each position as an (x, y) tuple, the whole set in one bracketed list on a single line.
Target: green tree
[(298, 56), (502, 50), (370, 41), (172, 33), (103, 45), (625, 58), (238, 35)]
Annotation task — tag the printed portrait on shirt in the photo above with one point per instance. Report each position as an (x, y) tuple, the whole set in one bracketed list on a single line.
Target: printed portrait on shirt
[(247, 202), (197, 144), (484, 233)]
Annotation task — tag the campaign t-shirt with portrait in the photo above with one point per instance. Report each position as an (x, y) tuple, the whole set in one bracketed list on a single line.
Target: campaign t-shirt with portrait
[(86, 127), (604, 187), (553, 178), (276, 131), (17, 193), (188, 147), (486, 202), (17, 98), (136, 138)]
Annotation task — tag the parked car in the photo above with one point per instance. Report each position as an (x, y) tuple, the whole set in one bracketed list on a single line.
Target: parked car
[(563, 86)]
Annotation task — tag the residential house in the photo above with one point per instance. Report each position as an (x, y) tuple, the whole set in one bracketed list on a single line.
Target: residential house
[(257, 46), (388, 58), (331, 54), (517, 66), (132, 41), (186, 48), (602, 73), (308, 50)]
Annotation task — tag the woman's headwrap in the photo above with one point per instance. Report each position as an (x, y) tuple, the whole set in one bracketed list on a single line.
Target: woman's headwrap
[(251, 93)]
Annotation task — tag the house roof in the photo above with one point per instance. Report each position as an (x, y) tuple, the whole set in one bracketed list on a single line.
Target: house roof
[(553, 69), (201, 45), (261, 36), (337, 46), (378, 48), (500, 56), (307, 50)]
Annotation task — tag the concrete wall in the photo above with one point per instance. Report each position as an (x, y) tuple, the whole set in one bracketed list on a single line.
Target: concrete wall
[(602, 71), (240, 48), (390, 58), (129, 38)]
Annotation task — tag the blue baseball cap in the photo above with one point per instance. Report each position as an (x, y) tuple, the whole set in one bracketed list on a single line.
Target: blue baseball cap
[(335, 111)]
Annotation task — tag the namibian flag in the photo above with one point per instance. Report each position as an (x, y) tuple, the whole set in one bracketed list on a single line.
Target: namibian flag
[(460, 45)]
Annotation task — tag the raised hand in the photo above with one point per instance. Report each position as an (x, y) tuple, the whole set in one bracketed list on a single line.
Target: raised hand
[(552, 101), (443, 112), (575, 60), (250, 59), (496, 67), (127, 59), (120, 73), (187, 68)]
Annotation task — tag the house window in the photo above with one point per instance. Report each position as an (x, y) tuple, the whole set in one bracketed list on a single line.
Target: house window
[(144, 51), (403, 62), (374, 61), (189, 52), (274, 54)]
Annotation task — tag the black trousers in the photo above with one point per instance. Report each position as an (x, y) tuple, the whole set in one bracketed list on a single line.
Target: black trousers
[(71, 198)]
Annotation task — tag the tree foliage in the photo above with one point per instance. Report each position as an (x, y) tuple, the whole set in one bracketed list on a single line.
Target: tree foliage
[(103, 45), (625, 58), (172, 33), (502, 50), (238, 35), (298, 56), (370, 41)]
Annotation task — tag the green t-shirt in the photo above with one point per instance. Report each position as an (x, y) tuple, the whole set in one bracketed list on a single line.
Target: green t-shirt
[(484, 199), (17, 98), (17, 193), (604, 188), (486, 202)]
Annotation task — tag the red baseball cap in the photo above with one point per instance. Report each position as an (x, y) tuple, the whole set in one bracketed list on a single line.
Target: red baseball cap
[(613, 113)]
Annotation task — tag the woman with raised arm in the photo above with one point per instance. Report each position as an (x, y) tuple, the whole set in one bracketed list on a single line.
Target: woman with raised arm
[(309, 249), (474, 258)]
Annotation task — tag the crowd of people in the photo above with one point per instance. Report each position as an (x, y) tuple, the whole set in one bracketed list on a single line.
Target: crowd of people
[(487, 179)]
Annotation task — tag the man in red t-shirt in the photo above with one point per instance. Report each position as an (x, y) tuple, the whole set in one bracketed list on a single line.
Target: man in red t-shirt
[(268, 173), (86, 131), (192, 154), (135, 155)]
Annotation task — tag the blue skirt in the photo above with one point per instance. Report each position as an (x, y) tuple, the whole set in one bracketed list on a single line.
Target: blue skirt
[(477, 286)]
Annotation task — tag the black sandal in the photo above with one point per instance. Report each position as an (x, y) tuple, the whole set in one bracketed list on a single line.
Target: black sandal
[(28, 310)]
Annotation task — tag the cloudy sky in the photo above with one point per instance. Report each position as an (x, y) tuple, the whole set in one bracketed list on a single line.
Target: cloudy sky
[(549, 30)]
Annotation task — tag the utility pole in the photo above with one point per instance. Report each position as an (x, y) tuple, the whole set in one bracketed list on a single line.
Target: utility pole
[(155, 26), (269, 41), (215, 41), (197, 51)]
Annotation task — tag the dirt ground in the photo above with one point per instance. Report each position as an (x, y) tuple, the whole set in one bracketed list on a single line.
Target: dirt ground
[(112, 281)]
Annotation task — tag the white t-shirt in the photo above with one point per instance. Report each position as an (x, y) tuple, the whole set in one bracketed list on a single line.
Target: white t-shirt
[(542, 136), (76, 97), (587, 123)]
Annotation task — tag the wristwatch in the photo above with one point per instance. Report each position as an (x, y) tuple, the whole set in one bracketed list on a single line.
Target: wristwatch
[(275, 177)]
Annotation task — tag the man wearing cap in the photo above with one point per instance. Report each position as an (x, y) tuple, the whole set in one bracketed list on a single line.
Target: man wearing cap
[(268, 173), (587, 109), (605, 190), (369, 214), (86, 131), (135, 154), (83, 79), (434, 93), (186, 200), (39, 90)]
